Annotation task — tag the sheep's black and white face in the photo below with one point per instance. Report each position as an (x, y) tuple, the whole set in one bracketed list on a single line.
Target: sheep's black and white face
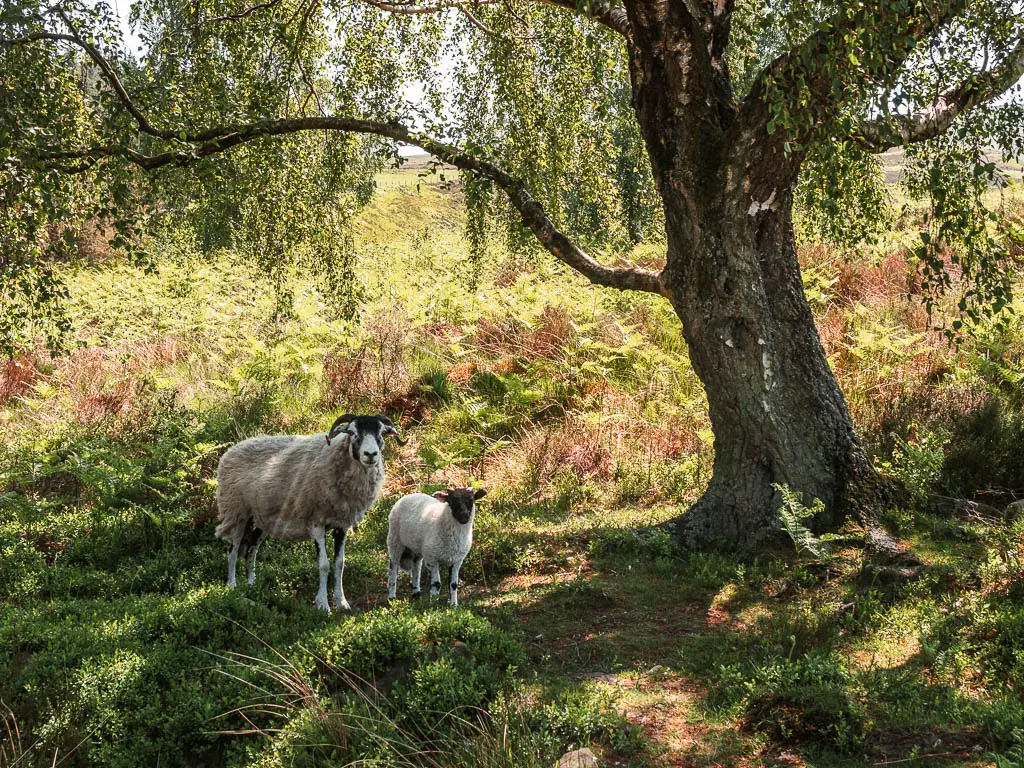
[(461, 501), (366, 439), (365, 436)]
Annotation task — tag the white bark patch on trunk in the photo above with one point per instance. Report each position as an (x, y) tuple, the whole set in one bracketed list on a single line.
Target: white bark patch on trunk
[(766, 367), (756, 207)]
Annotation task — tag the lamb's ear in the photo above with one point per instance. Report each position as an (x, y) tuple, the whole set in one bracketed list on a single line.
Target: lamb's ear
[(440, 495), (389, 429), (479, 493), (338, 422)]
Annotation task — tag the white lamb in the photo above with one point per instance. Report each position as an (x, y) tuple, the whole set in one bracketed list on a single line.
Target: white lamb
[(434, 529), (299, 487)]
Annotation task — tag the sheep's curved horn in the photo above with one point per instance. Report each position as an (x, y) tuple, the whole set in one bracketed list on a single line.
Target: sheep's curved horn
[(337, 423), (389, 429)]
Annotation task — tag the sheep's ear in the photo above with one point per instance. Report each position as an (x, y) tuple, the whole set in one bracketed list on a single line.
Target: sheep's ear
[(341, 420), (389, 429), (441, 495), (479, 493)]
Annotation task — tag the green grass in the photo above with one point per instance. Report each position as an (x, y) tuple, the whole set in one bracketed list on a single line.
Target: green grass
[(580, 622)]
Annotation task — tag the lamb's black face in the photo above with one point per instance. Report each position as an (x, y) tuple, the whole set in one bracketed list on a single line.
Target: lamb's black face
[(366, 436), (461, 501)]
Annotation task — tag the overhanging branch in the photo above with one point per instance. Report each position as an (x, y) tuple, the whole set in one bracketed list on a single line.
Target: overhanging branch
[(239, 15), (533, 214), (104, 65), (191, 146), (890, 131)]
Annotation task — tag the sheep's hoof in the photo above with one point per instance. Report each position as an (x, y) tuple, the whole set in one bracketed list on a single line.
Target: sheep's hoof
[(415, 596), (343, 605), (323, 606)]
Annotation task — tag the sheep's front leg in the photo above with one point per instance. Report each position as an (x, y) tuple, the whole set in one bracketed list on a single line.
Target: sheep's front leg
[(233, 559), (339, 569), (414, 576), (453, 586), (435, 579), (319, 536)]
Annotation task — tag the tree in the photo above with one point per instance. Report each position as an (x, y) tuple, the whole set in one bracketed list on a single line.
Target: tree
[(733, 103)]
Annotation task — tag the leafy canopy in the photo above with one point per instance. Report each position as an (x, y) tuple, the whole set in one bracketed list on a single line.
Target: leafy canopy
[(204, 121)]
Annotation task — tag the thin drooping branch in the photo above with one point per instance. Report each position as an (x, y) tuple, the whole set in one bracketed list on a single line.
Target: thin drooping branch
[(295, 56), (890, 131), (490, 32), (606, 13), (108, 73), (33, 37), (239, 15), (415, 9)]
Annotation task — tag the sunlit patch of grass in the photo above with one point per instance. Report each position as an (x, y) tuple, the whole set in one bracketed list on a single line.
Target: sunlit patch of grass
[(885, 652)]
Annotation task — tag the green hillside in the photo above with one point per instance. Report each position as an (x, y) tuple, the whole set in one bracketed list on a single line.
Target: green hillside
[(580, 621)]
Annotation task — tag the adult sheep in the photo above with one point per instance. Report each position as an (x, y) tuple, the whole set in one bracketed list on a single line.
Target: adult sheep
[(299, 487)]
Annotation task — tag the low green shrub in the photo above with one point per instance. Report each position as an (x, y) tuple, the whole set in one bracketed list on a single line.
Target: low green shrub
[(672, 479), (582, 715), (810, 700), (985, 454)]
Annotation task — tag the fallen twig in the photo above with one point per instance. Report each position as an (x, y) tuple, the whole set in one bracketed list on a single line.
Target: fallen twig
[(920, 757)]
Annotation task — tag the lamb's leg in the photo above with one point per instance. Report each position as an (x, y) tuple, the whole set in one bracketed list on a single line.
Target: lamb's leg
[(339, 569), (319, 536), (453, 586), (414, 575), (254, 548), (393, 578), (435, 579)]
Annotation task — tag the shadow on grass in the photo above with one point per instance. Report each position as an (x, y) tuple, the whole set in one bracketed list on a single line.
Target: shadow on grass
[(774, 646)]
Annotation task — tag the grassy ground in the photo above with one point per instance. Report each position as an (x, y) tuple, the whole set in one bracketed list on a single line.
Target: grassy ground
[(581, 622)]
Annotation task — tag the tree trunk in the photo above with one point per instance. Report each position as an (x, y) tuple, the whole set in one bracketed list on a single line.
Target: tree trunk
[(776, 409), (732, 275)]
